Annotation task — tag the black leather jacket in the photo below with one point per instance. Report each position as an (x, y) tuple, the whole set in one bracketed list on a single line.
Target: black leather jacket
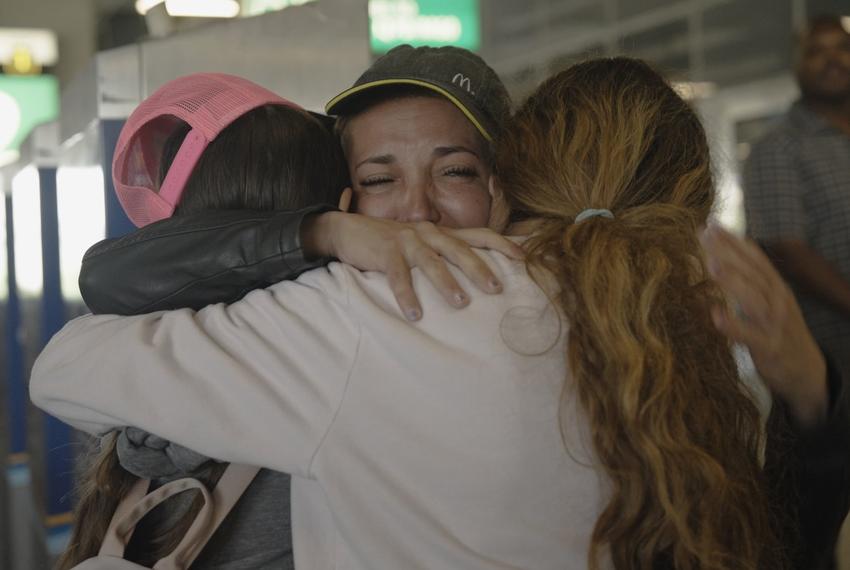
[(195, 260), (218, 257)]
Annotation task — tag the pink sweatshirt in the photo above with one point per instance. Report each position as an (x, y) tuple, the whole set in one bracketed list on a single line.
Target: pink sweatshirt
[(432, 445)]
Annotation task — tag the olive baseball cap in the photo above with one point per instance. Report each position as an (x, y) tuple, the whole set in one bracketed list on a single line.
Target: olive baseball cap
[(457, 74)]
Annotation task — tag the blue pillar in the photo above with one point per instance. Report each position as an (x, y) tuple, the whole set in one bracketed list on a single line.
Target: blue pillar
[(18, 472), (17, 389), (59, 460), (117, 222)]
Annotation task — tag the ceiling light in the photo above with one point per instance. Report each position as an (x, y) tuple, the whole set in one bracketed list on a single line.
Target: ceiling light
[(202, 8), (142, 6)]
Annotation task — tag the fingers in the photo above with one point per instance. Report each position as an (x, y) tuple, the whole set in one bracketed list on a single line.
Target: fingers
[(762, 301), (475, 269), (731, 263), (752, 257), (433, 265), (345, 199), (401, 284), (430, 248), (461, 255), (749, 301), (488, 239), (736, 329)]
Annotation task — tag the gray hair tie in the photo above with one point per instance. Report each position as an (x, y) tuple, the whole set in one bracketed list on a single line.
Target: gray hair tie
[(592, 213)]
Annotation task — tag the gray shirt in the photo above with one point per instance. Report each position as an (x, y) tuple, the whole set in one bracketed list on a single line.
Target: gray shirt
[(256, 535), (797, 187)]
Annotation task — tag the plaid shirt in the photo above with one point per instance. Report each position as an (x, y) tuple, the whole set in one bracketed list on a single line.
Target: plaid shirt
[(797, 187)]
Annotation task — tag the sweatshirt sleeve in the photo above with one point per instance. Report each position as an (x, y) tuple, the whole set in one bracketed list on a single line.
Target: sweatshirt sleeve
[(256, 382)]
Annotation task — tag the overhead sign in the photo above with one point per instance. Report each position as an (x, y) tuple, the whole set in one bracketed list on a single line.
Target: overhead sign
[(424, 22), (255, 7), (25, 101)]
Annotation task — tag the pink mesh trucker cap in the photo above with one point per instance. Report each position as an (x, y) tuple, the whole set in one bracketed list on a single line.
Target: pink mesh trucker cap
[(208, 102)]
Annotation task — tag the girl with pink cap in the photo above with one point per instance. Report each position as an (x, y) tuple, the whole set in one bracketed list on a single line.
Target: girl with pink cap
[(203, 143)]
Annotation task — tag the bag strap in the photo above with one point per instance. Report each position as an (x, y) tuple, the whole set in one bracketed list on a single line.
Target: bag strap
[(225, 495), (113, 544), (129, 513), (136, 504)]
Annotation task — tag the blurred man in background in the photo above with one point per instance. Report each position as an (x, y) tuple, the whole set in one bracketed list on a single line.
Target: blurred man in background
[(797, 197), (797, 185)]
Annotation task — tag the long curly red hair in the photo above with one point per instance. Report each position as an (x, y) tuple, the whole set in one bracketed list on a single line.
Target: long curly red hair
[(672, 427)]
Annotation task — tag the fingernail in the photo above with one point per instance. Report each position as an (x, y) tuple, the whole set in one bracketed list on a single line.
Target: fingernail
[(413, 314), (460, 299), (495, 286)]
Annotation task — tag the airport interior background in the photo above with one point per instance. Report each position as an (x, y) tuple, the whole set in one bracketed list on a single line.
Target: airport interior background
[(73, 70)]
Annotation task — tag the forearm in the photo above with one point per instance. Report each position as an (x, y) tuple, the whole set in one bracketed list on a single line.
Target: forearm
[(194, 261), (206, 399), (225, 381), (809, 270)]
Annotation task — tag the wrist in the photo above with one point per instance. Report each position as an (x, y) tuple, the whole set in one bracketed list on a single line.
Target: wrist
[(317, 235), (809, 402)]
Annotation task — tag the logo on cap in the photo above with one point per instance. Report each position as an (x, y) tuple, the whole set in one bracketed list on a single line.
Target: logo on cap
[(464, 82)]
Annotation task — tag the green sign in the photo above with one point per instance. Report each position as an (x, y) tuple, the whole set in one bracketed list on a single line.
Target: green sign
[(25, 101), (424, 22), (255, 7)]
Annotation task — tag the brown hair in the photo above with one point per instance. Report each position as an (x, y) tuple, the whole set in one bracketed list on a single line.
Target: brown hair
[(672, 427), (271, 158)]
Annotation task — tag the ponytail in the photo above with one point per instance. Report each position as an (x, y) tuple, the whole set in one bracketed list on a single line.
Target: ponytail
[(672, 425)]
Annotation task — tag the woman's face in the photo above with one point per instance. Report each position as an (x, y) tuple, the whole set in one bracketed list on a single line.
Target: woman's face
[(418, 159)]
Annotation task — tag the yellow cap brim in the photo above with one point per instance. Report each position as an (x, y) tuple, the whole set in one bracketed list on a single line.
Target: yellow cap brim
[(383, 82)]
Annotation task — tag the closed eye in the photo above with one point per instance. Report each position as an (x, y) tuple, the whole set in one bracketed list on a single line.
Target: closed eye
[(461, 172), (376, 180)]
